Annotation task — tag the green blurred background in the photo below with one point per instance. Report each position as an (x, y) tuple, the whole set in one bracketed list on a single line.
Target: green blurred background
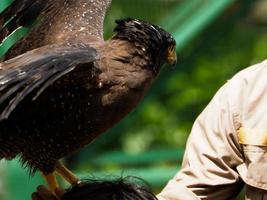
[(215, 39)]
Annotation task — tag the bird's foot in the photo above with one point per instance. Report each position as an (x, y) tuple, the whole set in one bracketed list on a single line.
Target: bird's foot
[(66, 174), (51, 181), (62, 171)]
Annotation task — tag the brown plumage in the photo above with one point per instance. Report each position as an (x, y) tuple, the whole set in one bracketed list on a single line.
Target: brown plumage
[(62, 85)]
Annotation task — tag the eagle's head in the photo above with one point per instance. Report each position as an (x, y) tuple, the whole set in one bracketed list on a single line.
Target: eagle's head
[(152, 39)]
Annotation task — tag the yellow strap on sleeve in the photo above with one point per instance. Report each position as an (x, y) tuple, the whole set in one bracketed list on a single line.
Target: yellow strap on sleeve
[(256, 137)]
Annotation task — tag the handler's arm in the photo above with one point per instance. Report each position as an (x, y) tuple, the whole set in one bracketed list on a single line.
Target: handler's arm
[(209, 167)]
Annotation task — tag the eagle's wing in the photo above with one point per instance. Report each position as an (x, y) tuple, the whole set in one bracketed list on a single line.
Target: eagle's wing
[(34, 71), (79, 21)]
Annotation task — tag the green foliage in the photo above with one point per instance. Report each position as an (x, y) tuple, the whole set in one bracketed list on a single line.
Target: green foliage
[(4, 4)]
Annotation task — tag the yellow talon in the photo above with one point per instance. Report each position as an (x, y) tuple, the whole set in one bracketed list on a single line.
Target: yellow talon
[(66, 174), (51, 181)]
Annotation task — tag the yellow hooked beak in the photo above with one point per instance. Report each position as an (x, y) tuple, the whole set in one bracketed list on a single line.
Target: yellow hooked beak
[(171, 55)]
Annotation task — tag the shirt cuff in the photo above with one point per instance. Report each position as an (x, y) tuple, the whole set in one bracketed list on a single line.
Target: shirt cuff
[(176, 191)]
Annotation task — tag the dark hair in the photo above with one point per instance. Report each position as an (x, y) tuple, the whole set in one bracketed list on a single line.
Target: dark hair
[(119, 189)]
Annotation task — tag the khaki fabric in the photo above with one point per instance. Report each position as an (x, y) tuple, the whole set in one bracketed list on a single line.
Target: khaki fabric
[(227, 146)]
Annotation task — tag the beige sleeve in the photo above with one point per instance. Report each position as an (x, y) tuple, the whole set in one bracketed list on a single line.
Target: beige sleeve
[(212, 154)]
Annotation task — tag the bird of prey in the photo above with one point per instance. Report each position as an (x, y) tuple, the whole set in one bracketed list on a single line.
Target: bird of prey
[(62, 85)]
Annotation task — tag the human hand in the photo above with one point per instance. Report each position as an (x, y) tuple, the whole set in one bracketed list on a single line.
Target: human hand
[(42, 193)]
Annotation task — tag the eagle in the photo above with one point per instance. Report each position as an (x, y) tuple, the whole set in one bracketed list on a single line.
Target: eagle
[(62, 85)]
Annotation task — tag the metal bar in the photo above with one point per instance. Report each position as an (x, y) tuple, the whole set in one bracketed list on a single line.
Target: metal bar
[(180, 13), (4, 4), (198, 20), (11, 39)]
